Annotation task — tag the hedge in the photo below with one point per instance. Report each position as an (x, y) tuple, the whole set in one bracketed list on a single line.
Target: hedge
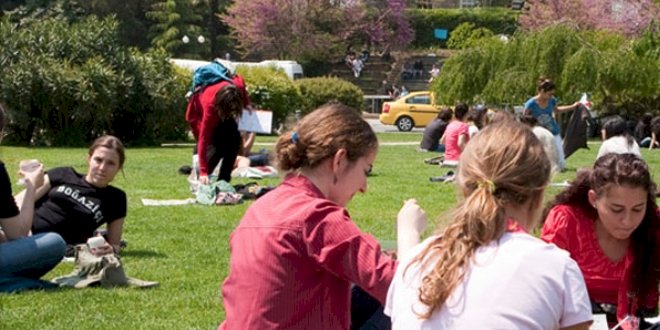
[(318, 91), (424, 21)]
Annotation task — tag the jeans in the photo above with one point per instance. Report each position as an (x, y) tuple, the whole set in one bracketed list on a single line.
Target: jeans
[(224, 145), (645, 143), (25, 260)]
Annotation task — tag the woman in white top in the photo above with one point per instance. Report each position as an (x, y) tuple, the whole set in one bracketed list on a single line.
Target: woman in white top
[(617, 139), (484, 271)]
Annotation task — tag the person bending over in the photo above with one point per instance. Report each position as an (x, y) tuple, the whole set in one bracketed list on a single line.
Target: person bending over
[(217, 134)]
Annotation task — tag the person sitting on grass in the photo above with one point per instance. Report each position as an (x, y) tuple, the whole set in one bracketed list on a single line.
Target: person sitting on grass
[(608, 220), (434, 131), (296, 251), (546, 138), (456, 136), (24, 258), (74, 205), (485, 270), (616, 139), (642, 132), (655, 133)]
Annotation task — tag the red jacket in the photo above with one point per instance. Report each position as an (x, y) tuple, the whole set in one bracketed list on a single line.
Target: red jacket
[(203, 117)]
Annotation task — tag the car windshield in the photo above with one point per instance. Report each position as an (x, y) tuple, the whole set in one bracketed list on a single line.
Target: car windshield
[(419, 99)]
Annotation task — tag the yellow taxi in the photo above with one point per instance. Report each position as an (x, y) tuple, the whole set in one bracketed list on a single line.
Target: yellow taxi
[(416, 109)]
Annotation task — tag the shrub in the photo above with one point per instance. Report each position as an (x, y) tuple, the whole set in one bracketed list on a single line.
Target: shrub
[(271, 89), (318, 91), (424, 21), (65, 84)]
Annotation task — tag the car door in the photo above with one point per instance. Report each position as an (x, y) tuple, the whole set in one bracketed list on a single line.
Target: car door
[(421, 108)]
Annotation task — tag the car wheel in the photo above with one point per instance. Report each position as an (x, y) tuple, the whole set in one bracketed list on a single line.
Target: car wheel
[(405, 124)]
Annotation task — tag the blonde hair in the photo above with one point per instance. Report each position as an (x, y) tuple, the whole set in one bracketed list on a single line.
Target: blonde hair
[(491, 174)]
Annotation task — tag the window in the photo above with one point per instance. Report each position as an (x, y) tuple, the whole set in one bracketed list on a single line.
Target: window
[(419, 99)]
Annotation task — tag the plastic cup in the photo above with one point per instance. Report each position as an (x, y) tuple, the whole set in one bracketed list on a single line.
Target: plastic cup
[(95, 242), (29, 165)]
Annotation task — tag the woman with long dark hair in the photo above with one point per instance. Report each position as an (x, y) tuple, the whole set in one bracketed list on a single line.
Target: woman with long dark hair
[(607, 219)]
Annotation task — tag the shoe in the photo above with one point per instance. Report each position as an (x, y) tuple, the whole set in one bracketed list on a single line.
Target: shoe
[(185, 170), (434, 161), (447, 177)]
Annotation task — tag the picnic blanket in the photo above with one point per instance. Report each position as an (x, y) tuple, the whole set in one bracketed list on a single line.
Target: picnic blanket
[(255, 172)]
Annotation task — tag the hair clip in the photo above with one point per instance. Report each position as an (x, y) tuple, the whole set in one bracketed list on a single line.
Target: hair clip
[(294, 137), (487, 184)]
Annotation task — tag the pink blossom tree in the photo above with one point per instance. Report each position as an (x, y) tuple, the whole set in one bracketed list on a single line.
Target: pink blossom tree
[(629, 17), (315, 29)]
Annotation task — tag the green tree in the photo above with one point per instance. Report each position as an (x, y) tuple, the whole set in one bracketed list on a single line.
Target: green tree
[(621, 74), (178, 28)]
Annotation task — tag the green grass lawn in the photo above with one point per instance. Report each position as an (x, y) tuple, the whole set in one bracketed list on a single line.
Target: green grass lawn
[(185, 248)]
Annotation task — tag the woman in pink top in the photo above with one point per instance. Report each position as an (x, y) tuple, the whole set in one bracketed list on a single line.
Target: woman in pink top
[(296, 251), (456, 136), (607, 220)]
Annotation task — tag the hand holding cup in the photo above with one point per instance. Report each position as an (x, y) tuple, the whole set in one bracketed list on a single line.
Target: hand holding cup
[(33, 171)]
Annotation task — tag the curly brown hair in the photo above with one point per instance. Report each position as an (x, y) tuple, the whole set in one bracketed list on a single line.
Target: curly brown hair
[(630, 171)]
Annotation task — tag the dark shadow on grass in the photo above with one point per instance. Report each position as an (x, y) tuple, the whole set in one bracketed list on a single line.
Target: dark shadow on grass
[(143, 254)]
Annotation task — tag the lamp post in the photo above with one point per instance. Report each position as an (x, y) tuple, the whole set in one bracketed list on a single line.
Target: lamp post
[(200, 40)]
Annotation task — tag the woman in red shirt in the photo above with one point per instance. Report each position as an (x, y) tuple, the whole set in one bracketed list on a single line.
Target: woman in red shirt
[(607, 219), (296, 251), (216, 132)]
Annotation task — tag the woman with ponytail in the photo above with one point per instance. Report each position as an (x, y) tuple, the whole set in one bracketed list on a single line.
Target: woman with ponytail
[(484, 271), (296, 252)]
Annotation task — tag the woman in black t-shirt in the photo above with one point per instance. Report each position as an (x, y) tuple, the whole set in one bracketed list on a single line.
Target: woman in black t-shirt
[(24, 259), (74, 205)]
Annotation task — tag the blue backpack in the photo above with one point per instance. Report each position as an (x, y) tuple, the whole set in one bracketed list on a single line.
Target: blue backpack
[(210, 74), (203, 76)]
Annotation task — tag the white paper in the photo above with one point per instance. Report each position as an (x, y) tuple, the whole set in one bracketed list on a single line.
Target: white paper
[(600, 322), (258, 121)]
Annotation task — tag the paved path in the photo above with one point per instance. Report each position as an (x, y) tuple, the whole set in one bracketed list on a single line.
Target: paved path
[(380, 128)]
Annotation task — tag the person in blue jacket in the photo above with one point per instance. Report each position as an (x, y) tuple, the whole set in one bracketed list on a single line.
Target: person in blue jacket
[(543, 107)]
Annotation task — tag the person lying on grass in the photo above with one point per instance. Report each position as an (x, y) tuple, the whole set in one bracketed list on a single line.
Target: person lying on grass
[(74, 205)]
